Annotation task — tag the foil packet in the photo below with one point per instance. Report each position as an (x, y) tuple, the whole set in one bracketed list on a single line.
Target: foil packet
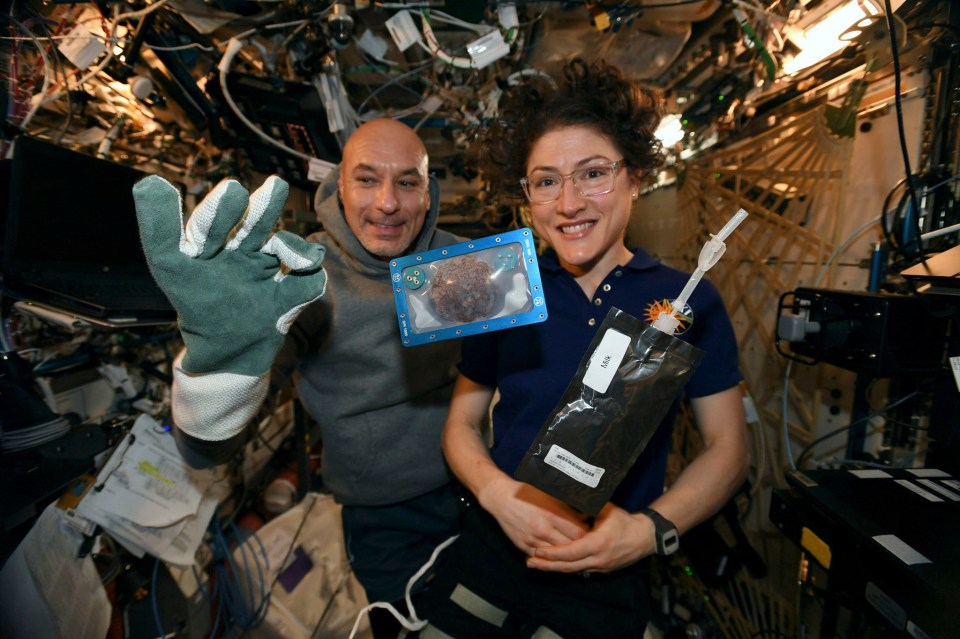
[(625, 384)]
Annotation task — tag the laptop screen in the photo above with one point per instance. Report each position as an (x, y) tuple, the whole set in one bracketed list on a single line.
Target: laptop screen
[(71, 234), (70, 210)]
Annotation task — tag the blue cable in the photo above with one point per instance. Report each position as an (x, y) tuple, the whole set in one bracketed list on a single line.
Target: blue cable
[(153, 598), (240, 603)]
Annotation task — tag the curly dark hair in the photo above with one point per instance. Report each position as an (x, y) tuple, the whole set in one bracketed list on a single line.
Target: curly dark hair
[(596, 95)]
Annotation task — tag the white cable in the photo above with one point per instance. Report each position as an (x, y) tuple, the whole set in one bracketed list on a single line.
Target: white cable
[(233, 47), (840, 247), (46, 77), (514, 78), (104, 149), (433, 47), (413, 623), (97, 69), (182, 47), (140, 13), (440, 16), (786, 374), (5, 343), (944, 231), (786, 427)]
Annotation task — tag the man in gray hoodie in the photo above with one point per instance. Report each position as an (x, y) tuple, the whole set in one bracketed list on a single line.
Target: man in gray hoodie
[(380, 406)]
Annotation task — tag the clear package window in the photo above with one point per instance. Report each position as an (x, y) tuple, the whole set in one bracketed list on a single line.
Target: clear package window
[(487, 284)]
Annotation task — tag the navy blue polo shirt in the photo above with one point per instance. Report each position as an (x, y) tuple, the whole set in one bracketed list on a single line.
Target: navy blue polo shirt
[(532, 365)]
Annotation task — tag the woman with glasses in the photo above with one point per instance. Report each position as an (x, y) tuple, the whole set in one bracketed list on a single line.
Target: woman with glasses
[(526, 564)]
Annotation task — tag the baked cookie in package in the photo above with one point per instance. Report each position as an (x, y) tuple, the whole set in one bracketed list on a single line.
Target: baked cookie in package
[(486, 284)]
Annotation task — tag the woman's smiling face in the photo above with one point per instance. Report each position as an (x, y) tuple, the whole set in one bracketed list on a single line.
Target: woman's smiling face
[(587, 232)]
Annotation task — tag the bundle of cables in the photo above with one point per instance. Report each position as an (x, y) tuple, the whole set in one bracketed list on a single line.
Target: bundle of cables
[(238, 591), (902, 227)]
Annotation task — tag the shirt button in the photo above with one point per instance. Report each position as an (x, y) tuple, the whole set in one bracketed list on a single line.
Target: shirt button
[(598, 301), (618, 273), (591, 322), (606, 287)]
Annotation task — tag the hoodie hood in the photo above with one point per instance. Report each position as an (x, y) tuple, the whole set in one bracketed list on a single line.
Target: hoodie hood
[(326, 203)]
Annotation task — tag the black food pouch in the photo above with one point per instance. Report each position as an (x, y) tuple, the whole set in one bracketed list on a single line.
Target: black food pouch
[(624, 386)]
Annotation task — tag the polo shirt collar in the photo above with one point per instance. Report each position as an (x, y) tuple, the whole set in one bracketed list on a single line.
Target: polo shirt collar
[(640, 261)]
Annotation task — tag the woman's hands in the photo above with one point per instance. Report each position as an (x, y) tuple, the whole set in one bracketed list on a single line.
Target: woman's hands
[(558, 538), (531, 518), (615, 540)]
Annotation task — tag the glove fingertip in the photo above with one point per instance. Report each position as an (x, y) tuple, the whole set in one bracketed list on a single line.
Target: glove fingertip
[(297, 290), (278, 186), (158, 206)]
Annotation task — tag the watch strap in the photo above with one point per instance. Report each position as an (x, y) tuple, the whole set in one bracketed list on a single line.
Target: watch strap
[(667, 535)]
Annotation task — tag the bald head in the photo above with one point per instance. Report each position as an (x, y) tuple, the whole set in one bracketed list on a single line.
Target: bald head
[(384, 186), (386, 133)]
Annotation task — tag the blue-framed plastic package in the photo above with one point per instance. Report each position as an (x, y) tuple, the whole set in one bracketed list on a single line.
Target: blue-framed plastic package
[(487, 284)]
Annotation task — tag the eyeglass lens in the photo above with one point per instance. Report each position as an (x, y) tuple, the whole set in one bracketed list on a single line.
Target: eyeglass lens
[(545, 187)]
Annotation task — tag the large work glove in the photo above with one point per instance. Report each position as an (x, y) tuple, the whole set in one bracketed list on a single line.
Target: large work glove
[(221, 271)]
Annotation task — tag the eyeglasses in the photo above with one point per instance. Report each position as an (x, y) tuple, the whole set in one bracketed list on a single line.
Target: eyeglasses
[(544, 187)]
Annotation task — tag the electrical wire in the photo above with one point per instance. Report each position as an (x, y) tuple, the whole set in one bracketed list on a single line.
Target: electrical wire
[(843, 245), (154, 599), (233, 48), (764, 54), (894, 230), (898, 100), (242, 603), (786, 374), (392, 82), (809, 447), (413, 623), (58, 60), (433, 47), (37, 99), (784, 406)]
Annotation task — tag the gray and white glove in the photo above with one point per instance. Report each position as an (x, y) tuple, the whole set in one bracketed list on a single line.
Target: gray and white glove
[(221, 271)]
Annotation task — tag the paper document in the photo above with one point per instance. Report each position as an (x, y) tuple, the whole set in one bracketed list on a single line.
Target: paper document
[(46, 590), (149, 500)]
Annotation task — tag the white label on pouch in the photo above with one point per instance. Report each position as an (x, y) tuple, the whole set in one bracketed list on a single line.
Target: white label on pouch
[(606, 360), (569, 464)]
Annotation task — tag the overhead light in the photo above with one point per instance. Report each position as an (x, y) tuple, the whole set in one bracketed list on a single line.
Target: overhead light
[(820, 38), (670, 130)]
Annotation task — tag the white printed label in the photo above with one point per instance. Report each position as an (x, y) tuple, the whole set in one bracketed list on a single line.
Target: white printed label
[(920, 491), (571, 465), (927, 472), (318, 169), (487, 49), (901, 550), (606, 360), (402, 29), (870, 473), (81, 47), (932, 485)]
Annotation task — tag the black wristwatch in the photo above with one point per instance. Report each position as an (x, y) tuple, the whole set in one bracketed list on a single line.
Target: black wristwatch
[(668, 537)]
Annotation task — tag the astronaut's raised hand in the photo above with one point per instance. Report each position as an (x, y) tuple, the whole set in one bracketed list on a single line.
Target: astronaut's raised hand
[(237, 285), (221, 270)]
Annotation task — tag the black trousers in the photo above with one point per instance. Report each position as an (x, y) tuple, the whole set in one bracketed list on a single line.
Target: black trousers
[(485, 591)]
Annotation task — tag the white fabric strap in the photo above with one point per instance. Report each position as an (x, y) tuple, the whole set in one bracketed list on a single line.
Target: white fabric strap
[(215, 406)]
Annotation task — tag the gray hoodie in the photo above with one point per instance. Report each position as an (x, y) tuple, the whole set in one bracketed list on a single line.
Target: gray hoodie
[(380, 406)]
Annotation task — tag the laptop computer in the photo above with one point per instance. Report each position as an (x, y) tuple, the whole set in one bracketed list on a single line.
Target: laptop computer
[(71, 240), (940, 273)]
